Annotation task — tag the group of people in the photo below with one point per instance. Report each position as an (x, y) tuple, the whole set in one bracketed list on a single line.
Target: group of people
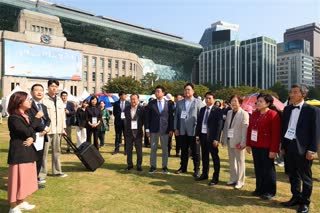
[(197, 127)]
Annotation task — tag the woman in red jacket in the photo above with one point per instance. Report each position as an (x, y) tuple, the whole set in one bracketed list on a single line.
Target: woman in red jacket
[(263, 138)]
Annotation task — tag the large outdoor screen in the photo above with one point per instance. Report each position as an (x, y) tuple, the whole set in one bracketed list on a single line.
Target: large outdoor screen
[(36, 61)]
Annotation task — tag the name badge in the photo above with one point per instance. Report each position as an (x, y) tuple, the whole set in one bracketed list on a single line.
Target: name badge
[(230, 133), (134, 125), (122, 115), (183, 114), (204, 129), (94, 120), (290, 133), (254, 135)]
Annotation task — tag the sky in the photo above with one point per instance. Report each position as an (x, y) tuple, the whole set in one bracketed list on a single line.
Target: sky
[(189, 18)]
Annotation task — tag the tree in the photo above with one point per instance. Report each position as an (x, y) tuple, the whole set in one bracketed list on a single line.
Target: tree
[(200, 90), (314, 93), (126, 84), (280, 90)]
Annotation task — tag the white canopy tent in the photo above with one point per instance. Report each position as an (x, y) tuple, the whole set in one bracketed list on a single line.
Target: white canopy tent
[(83, 95), (71, 97)]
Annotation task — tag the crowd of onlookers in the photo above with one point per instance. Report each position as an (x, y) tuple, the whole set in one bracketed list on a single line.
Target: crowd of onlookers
[(199, 128)]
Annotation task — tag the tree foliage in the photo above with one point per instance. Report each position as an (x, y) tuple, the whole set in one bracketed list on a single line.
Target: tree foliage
[(281, 90), (126, 84)]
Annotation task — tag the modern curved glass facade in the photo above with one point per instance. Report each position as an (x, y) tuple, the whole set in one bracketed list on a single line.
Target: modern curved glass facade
[(169, 52)]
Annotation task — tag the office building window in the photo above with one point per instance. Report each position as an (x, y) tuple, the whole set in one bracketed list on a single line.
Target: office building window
[(109, 63), (85, 61), (109, 77), (123, 65), (93, 90), (73, 90), (117, 64), (85, 75), (101, 63), (130, 66), (12, 86), (94, 61), (101, 77), (93, 76)]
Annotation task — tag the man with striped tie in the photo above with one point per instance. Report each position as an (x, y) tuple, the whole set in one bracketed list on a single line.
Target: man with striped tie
[(37, 92)]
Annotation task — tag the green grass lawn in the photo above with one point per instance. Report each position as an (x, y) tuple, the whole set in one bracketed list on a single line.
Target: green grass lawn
[(113, 189)]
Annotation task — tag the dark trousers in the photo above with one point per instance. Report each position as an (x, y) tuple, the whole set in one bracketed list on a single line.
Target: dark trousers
[(169, 144), (95, 133), (102, 137), (299, 170), (138, 145), (146, 140), (265, 171), (206, 148), (189, 141), (178, 144), (119, 132), (39, 161)]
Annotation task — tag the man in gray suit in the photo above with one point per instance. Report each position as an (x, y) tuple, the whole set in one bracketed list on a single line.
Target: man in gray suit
[(159, 124), (185, 122)]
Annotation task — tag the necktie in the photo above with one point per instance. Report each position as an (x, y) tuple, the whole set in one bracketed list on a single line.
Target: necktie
[(40, 109), (295, 107), (205, 120), (160, 106)]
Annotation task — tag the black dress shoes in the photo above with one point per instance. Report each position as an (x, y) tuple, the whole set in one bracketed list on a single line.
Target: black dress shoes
[(256, 193), (180, 171), (129, 168), (213, 182), (202, 177), (115, 152), (292, 202), (266, 196), (196, 174), (139, 168), (303, 208)]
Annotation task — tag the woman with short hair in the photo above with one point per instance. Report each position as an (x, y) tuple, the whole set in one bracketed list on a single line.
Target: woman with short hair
[(22, 178), (263, 139), (235, 136)]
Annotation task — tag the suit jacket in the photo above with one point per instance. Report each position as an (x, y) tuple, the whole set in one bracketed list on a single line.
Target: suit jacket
[(117, 113), (20, 130), (139, 117), (71, 116), (56, 114), (159, 122), (307, 131), (239, 125), (187, 126), (42, 126), (214, 124)]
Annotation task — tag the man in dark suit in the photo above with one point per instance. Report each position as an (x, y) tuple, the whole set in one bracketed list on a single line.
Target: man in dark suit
[(70, 115), (133, 132), (159, 125), (37, 92), (177, 98), (209, 127), (300, 129), (119, 116)]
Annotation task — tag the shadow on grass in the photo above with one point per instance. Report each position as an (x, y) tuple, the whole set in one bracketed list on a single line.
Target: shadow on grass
[(185, 185)]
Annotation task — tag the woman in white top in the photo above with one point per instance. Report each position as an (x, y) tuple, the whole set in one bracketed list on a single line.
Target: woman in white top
[(234, 135)]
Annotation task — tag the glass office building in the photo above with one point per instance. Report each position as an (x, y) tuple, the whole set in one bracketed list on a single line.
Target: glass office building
[(251, 62), (169, 52)]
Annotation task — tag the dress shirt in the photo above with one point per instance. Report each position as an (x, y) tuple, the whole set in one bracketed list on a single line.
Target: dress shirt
[(294, 117), (133, 112)]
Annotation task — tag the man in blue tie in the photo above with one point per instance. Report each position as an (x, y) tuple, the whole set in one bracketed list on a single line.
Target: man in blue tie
[(119, 117), (208, 131), (159, 125), (37, 92)]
